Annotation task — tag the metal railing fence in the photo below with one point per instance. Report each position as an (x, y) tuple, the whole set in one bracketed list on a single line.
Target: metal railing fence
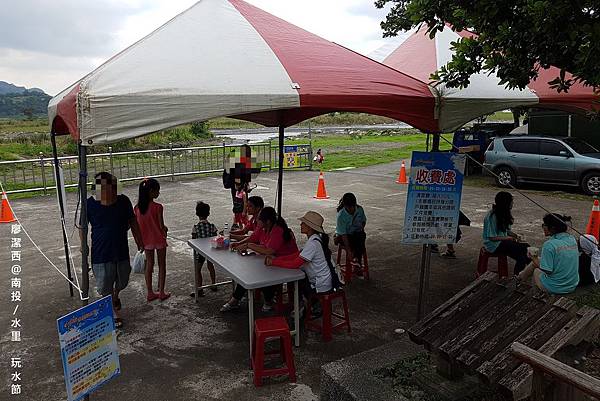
[(37, 175)]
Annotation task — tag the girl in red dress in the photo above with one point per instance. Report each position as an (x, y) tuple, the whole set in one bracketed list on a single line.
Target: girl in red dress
[(149, 215)]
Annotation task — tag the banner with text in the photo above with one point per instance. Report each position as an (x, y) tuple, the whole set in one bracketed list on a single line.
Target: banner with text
[(290, 158), (433, 200), (88, 346)]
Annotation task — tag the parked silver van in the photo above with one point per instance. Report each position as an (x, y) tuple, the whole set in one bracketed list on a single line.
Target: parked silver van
[(544, 159)]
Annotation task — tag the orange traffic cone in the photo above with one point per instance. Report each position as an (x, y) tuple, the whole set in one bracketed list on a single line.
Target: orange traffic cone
[(593, 226), (321, 191), (6, 213), (402, 176)]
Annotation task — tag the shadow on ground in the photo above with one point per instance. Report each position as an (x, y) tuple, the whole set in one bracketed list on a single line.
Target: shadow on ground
[(179, 350)]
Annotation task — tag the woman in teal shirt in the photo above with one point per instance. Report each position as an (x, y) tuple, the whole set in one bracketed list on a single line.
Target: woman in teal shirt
[(498, 239), (557, 272), (350, 227)]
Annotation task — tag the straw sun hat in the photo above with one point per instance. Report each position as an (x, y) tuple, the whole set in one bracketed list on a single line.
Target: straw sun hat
[(314, 220)]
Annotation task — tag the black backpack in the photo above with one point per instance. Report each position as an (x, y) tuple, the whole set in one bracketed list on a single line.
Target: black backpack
[(227, 180), (336, 284)]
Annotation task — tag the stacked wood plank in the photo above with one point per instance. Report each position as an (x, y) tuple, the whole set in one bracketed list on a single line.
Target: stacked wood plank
[(473, 331)]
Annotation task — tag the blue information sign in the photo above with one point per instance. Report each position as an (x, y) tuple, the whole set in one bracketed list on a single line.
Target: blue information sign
[(88, 346), (433, 201)]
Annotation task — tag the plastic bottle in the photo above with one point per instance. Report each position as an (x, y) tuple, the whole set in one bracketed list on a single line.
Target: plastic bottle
[(226, 230)]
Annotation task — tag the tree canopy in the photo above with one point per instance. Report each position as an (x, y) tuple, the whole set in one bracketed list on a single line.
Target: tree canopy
[(515, 38)]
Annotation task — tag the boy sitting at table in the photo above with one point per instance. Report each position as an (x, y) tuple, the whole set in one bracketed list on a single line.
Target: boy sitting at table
[(203, 229), (255, 206)]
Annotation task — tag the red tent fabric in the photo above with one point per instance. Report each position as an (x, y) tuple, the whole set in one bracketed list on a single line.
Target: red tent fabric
[(229, 58), (419, 56)]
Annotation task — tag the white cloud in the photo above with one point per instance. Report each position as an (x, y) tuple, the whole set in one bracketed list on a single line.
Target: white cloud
[(51, 44)]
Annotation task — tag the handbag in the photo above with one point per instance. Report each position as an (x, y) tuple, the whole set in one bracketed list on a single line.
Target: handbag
[(139, 262)]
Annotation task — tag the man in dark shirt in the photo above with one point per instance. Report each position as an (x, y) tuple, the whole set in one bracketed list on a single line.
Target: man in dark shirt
[(110, 218)]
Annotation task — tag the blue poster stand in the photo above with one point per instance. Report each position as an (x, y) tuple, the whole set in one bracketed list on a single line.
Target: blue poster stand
[(88, 346), (432, 207)]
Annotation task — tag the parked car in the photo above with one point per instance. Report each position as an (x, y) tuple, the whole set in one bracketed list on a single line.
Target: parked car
[(543, 159), (475, 140)]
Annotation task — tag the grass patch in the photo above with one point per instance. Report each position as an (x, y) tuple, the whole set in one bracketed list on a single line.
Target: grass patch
[(368, 149), (402, 379), (23, 125), (501, 116), (589, 297)]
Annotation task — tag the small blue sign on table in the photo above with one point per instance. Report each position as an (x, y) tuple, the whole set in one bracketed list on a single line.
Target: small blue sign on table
[(88, 346), (433, 201)]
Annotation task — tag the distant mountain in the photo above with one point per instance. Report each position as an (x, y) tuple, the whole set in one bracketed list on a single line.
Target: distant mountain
[(20, 102)]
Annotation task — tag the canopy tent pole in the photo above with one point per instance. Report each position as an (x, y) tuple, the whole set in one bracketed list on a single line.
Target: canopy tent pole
[(425, 265), (435, 142), (83, 223), (280, 171), (61, 200)]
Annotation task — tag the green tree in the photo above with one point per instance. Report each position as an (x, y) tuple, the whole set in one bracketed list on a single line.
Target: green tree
[(200, 129), (515, 37)]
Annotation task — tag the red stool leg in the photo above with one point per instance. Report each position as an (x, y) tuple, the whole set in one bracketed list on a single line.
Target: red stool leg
[(482, 262), (348, 269), (502, 266), (279, 306), (346, 313), (326, 319), (289, 357), (366, 265), (259, 360)]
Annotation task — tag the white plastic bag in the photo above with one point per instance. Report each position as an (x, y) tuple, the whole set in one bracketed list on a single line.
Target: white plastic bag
[(139, 262)]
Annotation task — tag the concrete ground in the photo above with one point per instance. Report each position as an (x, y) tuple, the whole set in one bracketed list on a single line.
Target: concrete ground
[(179, 350)]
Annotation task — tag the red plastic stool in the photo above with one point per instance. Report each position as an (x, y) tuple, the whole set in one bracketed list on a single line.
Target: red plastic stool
[(282, 306), (325, 326), (482, 263), (346, 268), (265, 329)]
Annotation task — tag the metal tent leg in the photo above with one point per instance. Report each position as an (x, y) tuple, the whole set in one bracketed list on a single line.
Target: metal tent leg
[(280, 171), (83, 223), (59, 185)]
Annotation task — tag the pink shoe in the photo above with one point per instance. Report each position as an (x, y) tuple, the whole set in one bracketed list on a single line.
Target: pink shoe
[(152, 296), (164, 295)]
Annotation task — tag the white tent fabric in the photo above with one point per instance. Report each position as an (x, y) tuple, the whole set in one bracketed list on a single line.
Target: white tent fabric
[(419, 56), (171, 77), (229, 58)]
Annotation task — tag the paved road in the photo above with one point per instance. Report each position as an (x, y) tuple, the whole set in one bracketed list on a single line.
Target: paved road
[(179, 350), (261, 134)]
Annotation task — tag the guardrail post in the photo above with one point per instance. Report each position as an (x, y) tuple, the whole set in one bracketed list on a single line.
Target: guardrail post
[(110, 160), (310, 149), (43, 172), (224, 155), (270, 156), (172, 165)]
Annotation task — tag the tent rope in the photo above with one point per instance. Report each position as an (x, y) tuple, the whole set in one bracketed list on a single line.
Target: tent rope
[(569, 224), (42, 252)]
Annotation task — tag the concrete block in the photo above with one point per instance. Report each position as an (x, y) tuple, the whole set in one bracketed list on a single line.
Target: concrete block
[(353, 378)]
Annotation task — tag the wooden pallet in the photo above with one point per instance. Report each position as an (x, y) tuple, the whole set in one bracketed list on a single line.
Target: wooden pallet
[(473, 331)]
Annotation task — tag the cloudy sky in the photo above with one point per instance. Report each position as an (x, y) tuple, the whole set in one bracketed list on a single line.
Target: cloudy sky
[(51, 44)]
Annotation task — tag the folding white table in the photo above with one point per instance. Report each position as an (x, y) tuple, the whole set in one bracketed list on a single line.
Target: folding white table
[(251, 273)]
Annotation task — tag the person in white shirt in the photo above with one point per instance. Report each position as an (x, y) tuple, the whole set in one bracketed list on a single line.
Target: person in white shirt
[(314, 259)]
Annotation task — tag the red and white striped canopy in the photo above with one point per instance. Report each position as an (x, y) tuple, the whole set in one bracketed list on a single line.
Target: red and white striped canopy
[(229, 58), (417, 55)]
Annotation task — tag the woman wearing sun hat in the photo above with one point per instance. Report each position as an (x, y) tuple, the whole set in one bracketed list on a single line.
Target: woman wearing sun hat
[(314, 259)]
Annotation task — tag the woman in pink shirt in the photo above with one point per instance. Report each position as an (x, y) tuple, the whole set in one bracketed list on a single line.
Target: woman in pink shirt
[(149, 216), (273, 237)]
